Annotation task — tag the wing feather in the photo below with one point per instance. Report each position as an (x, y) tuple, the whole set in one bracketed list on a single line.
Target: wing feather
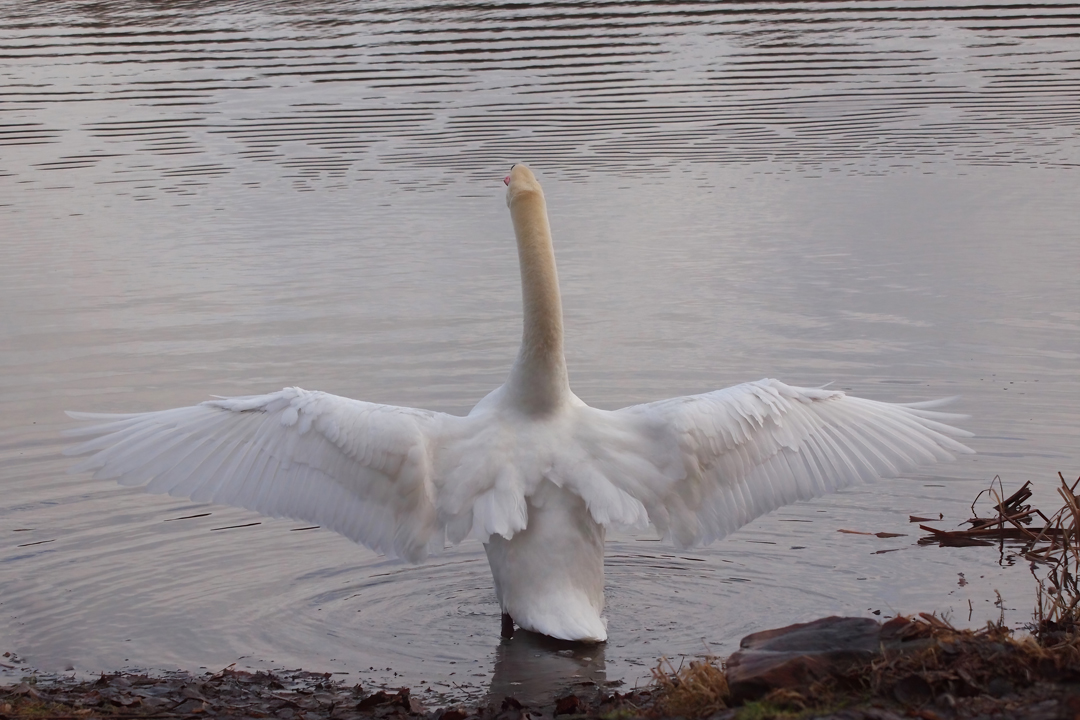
[(367, 471), (749, 449)]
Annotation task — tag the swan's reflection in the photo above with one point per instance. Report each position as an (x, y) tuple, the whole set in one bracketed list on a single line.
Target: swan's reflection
[(535, 669)]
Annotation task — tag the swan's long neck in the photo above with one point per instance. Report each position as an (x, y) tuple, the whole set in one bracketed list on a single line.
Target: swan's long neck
[(538, 381)]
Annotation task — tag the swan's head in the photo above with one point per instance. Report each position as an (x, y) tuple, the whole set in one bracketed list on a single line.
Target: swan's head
[(521, 183)]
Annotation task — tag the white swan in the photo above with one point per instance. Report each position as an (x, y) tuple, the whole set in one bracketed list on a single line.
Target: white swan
[(532, 471)]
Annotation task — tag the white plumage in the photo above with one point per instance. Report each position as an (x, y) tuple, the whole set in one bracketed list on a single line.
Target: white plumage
[(532, 471)]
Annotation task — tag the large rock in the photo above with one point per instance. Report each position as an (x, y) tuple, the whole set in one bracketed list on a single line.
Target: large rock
[(797, 655)]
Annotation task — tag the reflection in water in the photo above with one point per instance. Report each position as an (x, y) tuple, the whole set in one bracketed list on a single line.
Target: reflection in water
[(233, 197), (532, 668)]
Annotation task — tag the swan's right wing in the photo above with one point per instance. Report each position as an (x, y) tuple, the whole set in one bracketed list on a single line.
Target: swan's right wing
[(704, 465), (367, 471)]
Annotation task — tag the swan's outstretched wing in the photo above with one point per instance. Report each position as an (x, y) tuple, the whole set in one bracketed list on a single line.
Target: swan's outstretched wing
[(729, 456), (364, 470)]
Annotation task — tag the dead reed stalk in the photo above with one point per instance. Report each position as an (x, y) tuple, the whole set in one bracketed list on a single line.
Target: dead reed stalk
[(698, 689)]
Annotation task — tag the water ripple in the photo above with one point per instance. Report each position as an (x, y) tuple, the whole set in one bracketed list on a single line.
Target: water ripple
[(604, 86), (194, 195)]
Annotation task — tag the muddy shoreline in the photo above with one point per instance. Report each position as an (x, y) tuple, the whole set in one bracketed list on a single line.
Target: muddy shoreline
[(288, 695), (850, 668)]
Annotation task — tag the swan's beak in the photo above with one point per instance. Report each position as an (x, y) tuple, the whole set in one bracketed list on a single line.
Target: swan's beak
[(506, 180)]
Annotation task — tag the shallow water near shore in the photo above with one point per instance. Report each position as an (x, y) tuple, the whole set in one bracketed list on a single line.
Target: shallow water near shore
[(229, 198)]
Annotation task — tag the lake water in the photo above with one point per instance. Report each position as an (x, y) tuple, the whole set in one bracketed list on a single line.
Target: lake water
[(226, 198)]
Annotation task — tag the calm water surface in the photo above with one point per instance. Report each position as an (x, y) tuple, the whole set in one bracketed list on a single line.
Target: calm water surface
[(230, 197)]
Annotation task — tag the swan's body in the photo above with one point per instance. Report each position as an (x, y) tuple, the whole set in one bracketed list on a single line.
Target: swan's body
[(532, 471)]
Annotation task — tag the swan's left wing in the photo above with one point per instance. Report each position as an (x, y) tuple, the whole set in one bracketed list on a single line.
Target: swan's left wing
[(370, 472), (704, 465)]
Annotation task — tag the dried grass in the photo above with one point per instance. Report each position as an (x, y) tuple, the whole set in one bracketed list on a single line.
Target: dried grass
[(695, 690), (965, 663), (1057, 591), (991, 669)]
